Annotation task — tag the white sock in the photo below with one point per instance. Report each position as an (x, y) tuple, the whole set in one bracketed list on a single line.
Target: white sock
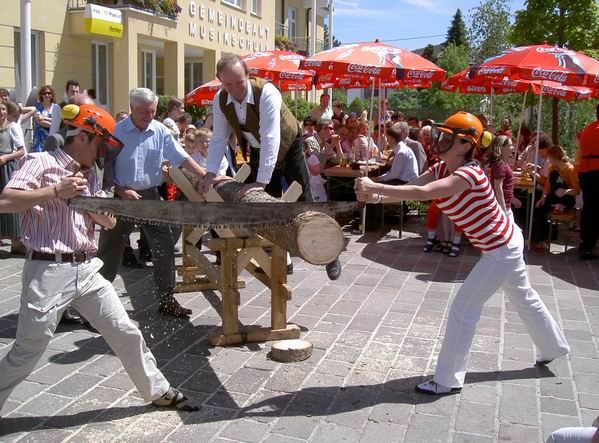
[(288, 259), (457, 239), (432, 234)]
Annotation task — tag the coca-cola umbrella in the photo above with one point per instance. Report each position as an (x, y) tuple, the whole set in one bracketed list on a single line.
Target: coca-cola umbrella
[(482, 85), (277, 66), (373, 59), (203, 95), (541, 62)]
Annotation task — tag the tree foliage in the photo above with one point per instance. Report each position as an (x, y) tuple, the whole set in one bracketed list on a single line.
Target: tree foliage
[(571, 23), (456, 33), (326, 37), (488, 28), (429, 52)]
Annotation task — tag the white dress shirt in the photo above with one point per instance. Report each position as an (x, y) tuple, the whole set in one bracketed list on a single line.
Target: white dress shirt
[(404, 167), (270, 129)]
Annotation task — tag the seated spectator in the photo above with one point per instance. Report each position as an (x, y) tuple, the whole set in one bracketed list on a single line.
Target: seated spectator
[(364, 146), (506, 125), (404, 167), (559, 192), (414, 133), (183, 122), (415, 146), (425, 140), (343, 133), (309, 126), (413, 122), (325, 145), (317, 182), (338, 113)]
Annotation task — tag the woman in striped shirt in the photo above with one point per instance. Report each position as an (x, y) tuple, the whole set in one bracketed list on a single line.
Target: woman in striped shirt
[(464, 193)]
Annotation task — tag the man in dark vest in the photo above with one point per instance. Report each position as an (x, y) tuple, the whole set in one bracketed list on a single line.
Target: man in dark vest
[(254, 110)]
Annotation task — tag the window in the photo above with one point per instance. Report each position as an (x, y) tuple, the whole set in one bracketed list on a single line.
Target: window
[(100, 73), (35, 70), (148, 67), (236, 3), (291, 15), (256, 7), (193, 75)]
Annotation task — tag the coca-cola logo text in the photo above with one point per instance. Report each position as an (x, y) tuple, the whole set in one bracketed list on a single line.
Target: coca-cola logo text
[(312, 63), (292, 75), (476, 89), (554, 91), (420, 74), (491, 70), (363, 69), (550, 74)]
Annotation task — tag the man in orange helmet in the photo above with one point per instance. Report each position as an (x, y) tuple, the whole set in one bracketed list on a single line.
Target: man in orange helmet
[(60, 267)]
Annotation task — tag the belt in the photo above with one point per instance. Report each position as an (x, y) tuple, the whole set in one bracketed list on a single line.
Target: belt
[(75, 257)]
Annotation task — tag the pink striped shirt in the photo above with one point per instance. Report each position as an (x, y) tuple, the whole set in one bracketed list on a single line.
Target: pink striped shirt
[(53, 227), (475, 210)]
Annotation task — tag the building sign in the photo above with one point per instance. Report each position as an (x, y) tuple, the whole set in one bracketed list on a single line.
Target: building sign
[(227, 29), (103, 21)]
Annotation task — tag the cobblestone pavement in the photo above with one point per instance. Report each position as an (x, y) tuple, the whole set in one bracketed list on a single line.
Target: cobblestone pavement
[(376, 332)]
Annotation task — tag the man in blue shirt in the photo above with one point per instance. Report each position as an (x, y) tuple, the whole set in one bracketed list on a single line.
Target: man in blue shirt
[(137, 173)]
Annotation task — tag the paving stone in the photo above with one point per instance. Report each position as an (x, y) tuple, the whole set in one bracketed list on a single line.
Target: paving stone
[(333, 433), (75, 385), (475, 418), (589, 401), (287, 378), (245, 430), (518, 405), (427, 428), (44, 405), (296, 426), (247, 380), (460, 437)]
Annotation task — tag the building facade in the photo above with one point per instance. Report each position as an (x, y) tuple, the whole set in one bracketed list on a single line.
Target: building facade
[(168, 46)]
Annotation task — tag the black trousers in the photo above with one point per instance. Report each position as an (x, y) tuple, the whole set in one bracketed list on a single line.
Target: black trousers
[(293, 168), (162, 243), (589, 216)]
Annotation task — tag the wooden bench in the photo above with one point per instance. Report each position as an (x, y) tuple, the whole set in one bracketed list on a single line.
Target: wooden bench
[(556, 218)]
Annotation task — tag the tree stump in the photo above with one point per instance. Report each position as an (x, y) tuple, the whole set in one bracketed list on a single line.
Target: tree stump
[(287, 351)]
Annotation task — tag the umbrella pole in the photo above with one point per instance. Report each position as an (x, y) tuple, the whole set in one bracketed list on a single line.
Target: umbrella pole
[(363, 213), (534, 179), (520, 124), (491, 108)]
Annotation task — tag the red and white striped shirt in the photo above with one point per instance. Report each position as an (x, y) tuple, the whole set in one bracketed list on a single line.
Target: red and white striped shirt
[(475, 211), (53, 227)]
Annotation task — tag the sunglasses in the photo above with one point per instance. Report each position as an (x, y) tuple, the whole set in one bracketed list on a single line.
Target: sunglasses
[(47, 93)]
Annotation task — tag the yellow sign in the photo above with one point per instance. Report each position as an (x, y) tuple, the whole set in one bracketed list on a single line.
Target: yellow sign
[(103, 21)]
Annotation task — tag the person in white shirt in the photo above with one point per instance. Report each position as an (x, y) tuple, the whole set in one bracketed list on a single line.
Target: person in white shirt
[(254, 110), (196, 145), (404, 167)]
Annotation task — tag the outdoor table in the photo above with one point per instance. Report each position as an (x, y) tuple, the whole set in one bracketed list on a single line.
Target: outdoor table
[(524, 184), (340, 180)]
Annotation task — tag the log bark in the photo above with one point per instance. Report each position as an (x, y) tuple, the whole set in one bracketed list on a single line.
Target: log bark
[(313, 236)]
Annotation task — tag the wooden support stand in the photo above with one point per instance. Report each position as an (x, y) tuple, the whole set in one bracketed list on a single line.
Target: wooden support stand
[(238, 250)]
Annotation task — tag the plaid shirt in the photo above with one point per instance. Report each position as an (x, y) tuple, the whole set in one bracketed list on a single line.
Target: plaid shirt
[(53, 227)]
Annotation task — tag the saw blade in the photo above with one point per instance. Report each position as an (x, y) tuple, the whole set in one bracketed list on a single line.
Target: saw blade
[(206, 215)]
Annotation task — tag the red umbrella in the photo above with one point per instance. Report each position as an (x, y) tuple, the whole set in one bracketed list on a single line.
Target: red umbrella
[(541, 63), (203, 95), (486, 85), (276, 66), (376, 59)]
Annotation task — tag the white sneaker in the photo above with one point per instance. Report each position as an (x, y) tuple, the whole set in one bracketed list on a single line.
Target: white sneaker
[(432, 388)]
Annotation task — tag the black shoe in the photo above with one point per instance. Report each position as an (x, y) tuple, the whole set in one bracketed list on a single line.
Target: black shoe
[(586, 255), (131, 261), (70, 316), (334, 269), (430, 244), (174, 309)]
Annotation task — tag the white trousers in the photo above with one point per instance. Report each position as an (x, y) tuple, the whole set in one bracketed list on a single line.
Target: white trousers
[(502, 267), (572, 435), (48, 288)]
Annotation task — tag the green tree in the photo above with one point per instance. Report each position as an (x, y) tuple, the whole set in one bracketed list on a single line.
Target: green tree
[(326, 37), (428, 52), (488, 28), (571, 23), (454, 58), (456, 33)]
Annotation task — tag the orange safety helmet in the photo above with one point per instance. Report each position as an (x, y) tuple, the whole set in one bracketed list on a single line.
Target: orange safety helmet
[(461, 124), (92, 118)]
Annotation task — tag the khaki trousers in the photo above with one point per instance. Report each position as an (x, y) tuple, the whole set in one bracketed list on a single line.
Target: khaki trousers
[(48, 288)]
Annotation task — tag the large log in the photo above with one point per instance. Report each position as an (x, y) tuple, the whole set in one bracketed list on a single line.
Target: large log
[(313, 236)]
